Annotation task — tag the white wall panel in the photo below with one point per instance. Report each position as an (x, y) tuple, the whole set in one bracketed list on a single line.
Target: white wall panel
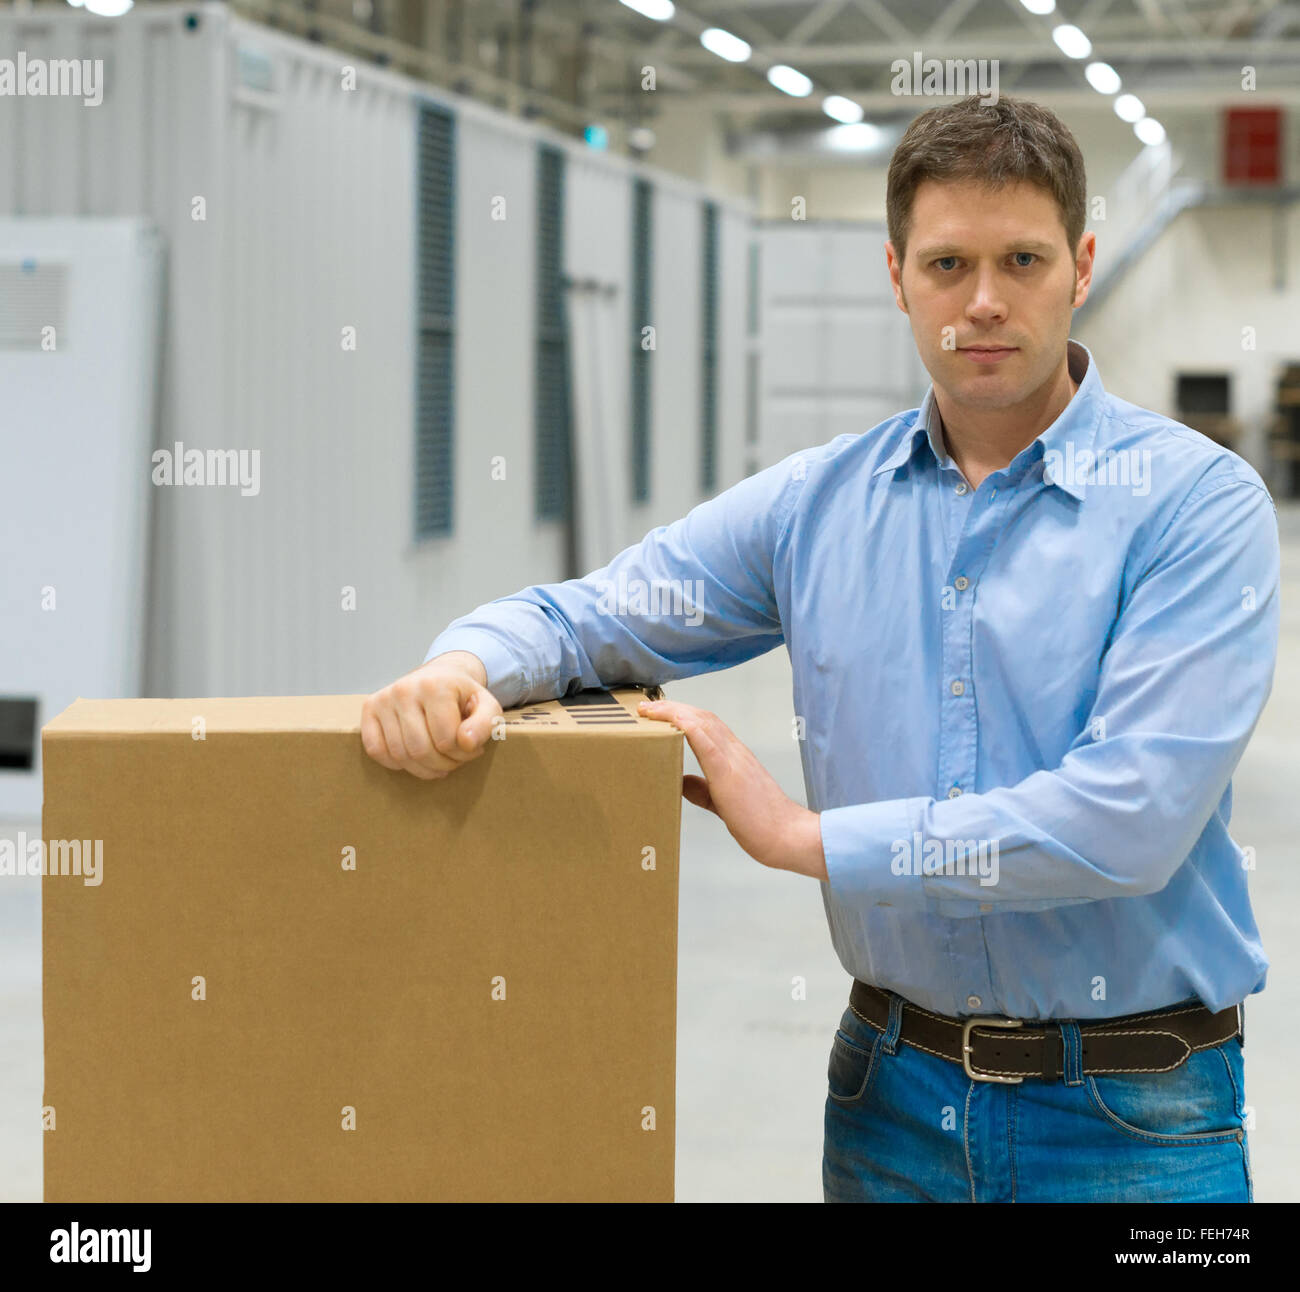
[(675, 446), (836, 354), (735, 233), (598, 249), (319, 238), (79, 420), (497, 547)]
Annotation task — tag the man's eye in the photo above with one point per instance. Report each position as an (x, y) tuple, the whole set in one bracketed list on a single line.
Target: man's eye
[(943, 262)]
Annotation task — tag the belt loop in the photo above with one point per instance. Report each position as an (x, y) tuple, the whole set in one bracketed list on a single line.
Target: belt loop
[(894, 1024), (1072, 1062)]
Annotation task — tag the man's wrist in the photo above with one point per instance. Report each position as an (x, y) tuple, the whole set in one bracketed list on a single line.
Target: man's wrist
[(803, 849), (465, 660)]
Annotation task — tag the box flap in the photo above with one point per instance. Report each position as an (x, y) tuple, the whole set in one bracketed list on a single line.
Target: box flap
[(612, 712)]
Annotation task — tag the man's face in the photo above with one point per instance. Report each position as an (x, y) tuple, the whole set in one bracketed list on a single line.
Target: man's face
[(988, 268)]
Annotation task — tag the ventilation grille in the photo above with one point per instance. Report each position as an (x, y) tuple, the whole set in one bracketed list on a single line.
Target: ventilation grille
[(552, 411), (33, 296), (642, 250), (435, 399), (709, 352)]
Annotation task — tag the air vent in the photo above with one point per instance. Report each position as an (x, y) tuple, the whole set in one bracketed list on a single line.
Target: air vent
[(33, 296)]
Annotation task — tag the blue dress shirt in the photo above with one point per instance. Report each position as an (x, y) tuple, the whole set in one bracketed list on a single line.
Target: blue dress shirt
[(1022, 703)]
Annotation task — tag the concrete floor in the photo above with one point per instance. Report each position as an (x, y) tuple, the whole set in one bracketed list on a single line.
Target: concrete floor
[(751, 1059)]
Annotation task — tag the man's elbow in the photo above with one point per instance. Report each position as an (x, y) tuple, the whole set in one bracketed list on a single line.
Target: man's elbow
[(1144, 870)]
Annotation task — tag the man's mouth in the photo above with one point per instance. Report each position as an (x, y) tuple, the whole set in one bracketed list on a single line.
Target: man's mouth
[(988, 353)]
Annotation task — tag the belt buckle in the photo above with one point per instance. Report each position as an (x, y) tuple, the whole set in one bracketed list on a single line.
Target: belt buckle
[(966, 1047)]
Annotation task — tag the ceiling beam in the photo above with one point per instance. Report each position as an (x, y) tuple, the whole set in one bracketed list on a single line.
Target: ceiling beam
[(885, 19), (949, 20), (884, 104), (1018, 50), (814, 20)]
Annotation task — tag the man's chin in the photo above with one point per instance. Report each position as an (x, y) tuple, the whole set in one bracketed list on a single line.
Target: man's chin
[(986, 391)]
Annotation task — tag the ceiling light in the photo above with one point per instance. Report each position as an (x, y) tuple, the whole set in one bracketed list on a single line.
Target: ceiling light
[(842, 109), (724, 45), (1071, 41), (1128, 107), (858, 136), (1102, 77), (1150, 131), (659, 10), (791, 82)]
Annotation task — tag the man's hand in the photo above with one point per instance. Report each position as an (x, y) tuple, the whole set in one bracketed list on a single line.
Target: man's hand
[(762, 818), (432, 721)]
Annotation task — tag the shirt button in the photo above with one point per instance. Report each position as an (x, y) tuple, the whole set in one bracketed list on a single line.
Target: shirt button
[(961, 488), (955, 792), (958, 687), (961, 583), (974, 1002)]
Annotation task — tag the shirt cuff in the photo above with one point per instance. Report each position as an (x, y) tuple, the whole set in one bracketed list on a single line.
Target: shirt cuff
[(506, 677), (869, 850)]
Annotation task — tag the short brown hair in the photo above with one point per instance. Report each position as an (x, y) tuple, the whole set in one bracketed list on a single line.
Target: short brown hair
[(995, 144)]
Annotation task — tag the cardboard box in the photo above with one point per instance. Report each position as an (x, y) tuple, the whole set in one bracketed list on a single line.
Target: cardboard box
[(482, 969)]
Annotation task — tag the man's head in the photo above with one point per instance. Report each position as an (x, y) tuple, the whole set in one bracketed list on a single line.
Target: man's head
[(986, 208)]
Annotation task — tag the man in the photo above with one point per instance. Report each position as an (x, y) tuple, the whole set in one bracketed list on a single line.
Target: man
[(1032, 627)]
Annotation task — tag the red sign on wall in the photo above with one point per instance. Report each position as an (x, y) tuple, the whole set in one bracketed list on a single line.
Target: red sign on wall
[(1252, 146)]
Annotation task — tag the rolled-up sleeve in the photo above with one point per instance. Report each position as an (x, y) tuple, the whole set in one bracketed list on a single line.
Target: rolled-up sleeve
[(1181, 686), (691, 597)]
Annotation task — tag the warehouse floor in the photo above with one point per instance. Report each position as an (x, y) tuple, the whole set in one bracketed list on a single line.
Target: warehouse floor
[(752, 1057)]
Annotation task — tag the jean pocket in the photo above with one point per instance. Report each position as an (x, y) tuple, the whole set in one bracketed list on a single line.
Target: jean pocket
[(852, 1058), (1198, 1102)]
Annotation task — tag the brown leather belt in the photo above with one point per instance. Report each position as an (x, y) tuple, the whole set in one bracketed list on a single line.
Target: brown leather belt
[(1008, 1050)]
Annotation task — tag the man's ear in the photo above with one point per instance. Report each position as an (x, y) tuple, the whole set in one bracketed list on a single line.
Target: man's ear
[(894, 265), (1083, 265)]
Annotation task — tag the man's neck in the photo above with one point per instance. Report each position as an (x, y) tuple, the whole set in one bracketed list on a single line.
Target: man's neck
[(981, 442)]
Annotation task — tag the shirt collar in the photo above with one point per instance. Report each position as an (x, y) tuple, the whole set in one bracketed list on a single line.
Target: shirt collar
[(1076, 426)]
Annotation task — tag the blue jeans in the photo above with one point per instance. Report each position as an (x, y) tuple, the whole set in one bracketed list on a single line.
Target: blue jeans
[(905, 1126)]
